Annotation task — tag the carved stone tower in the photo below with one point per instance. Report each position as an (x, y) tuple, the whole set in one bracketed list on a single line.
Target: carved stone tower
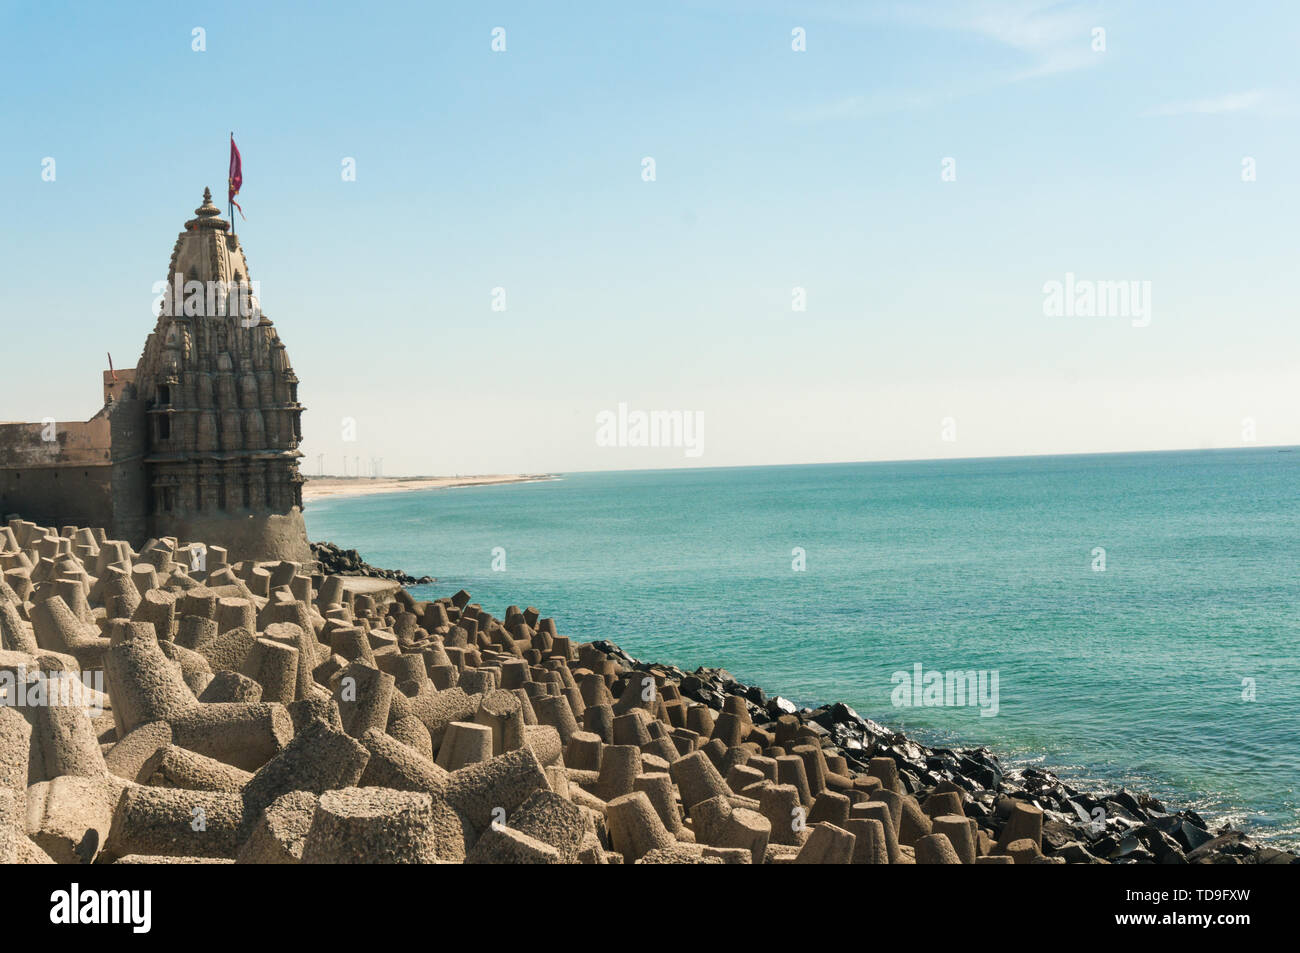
[(220, 400)]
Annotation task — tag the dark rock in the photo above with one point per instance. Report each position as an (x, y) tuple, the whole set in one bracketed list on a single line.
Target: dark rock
[(1139, 856), (1076, 853), (1123, 846), (1080, 810), (1057, 834), (1269, 855), (348, 562), (1128, 802), (1164, 848), (1150, 804), (1177, 826), (986, 774), (778, 706), (1227, 842)]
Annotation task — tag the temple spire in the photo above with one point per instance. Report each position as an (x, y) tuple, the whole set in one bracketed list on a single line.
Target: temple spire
[(208, 209)]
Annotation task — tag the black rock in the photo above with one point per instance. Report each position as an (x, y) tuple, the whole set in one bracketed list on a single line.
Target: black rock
[(1139, 856), (778, 706), (708, 696), (1191, 836), (1076, 853), (1227, 842), (1056, 834), (986, 775), (1164, 848), (1123, 845), (1114, 808), (1270, 855), (1187, 834), (1128, 802), (909, 780), (1081, 813), (348, 562)]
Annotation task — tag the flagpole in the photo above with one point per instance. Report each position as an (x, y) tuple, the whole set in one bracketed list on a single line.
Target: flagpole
[(232, 201)]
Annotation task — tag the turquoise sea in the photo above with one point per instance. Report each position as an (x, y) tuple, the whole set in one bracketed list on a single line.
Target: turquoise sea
[(1175, 670)]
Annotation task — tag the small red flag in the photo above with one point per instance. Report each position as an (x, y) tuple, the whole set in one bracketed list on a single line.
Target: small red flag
[(236, 174)]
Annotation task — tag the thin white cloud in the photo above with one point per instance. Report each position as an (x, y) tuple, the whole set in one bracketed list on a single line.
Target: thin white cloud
[(1048, 37), (1230, 103), (1053, 36), (872, 104)]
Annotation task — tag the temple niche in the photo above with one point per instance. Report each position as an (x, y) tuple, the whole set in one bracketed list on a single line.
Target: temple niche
[(220, 402)]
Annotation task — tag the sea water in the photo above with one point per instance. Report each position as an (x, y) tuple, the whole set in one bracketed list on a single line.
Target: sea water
[(1136, 615)]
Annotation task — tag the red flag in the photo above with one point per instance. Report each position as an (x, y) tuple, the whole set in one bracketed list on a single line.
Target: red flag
[(236, 174)]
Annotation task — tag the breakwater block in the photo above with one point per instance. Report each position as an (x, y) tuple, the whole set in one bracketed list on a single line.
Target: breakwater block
[(276, 713)]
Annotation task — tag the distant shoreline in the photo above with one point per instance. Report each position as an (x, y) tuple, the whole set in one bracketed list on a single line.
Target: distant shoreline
[(335, 487)]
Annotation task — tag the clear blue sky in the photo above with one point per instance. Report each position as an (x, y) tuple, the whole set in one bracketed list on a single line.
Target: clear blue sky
[(775, 169)]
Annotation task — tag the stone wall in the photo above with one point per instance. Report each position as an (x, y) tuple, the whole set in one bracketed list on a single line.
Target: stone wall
[(130, 481), (57, 495), (67, 479)]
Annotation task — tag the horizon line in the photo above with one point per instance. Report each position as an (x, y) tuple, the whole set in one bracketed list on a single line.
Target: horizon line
[(822, 463)]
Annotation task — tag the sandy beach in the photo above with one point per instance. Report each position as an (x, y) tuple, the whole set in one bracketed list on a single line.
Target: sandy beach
[(319, 488)]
